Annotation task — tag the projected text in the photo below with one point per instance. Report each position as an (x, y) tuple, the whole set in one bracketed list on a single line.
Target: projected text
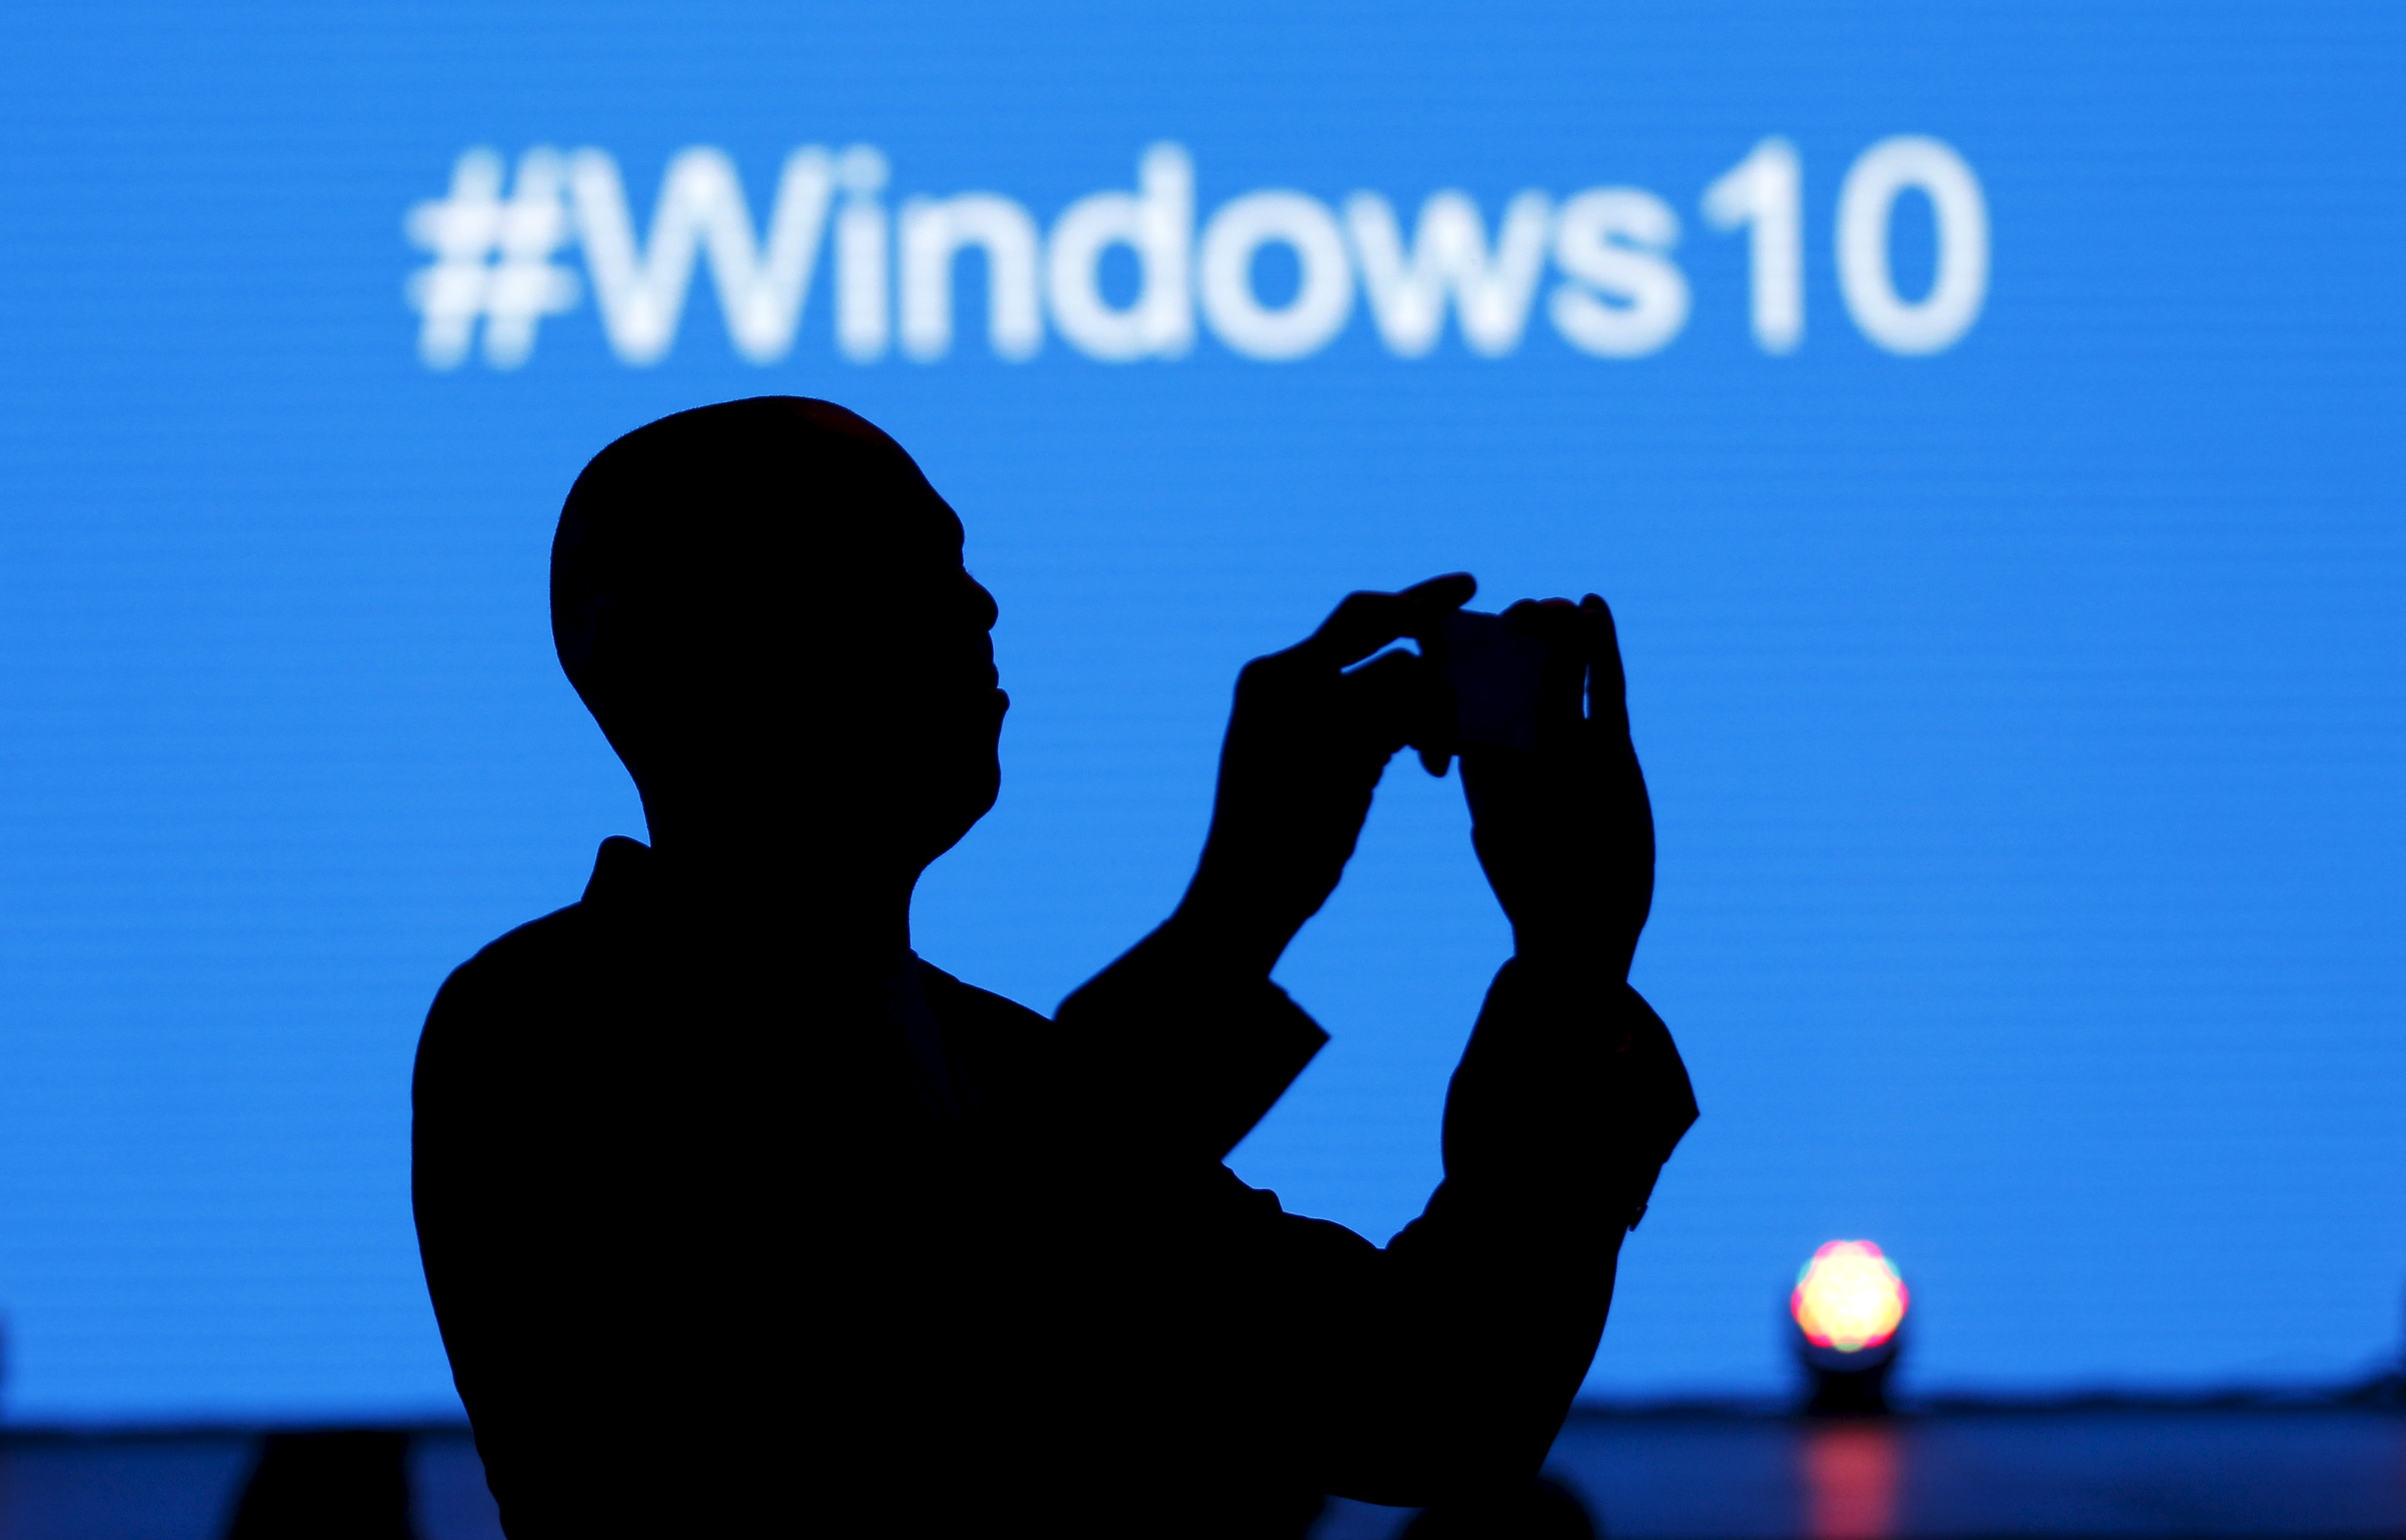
[(1603, 260)]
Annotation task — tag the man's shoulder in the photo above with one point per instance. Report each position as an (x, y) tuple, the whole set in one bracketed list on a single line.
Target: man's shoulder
[(496, 1007), (537, 954), (549, 954)]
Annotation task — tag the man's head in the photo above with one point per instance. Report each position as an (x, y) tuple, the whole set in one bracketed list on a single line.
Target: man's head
[(763, 605)]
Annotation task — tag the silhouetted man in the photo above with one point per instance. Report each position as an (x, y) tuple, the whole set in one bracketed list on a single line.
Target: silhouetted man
[(740, 1219)]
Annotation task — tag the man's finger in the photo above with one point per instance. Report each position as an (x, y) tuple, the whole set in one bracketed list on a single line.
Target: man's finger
[(1365, 622), (1450, 592), (1607, 688), (1393, 699)]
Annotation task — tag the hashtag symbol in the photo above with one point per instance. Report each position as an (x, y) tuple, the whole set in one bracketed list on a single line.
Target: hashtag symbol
[(492, 260)]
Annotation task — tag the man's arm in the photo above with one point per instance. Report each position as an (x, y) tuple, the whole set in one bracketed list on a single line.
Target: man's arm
[(525, 1238), (1443, 1363), (1185, 1041), (1568, 1099)]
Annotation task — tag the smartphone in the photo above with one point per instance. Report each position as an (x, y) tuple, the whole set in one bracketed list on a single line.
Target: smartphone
[(1494, 672)]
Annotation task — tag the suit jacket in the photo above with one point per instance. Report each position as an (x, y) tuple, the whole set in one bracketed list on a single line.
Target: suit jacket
[(709, 1256)]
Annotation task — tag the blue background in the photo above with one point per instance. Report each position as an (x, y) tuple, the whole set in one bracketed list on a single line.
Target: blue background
[(2024, 721)]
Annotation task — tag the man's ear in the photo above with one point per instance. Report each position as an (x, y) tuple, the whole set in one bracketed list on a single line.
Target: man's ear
[(613, 679), (576, 628)]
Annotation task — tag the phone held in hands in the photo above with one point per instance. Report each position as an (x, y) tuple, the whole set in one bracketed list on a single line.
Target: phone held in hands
[(1494, 672)]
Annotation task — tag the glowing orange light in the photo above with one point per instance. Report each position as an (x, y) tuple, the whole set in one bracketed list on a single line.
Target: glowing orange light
[(1848, 1297)]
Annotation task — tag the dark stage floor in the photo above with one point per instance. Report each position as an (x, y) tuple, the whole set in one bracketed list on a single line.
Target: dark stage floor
[(2236, 1470)]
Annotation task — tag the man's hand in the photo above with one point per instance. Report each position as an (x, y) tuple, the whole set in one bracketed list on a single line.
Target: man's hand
[(1566, 831), (1306, 746)]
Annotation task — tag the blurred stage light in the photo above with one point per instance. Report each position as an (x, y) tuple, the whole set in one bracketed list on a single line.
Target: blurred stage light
[(1853, 1475), (1849, 1307)]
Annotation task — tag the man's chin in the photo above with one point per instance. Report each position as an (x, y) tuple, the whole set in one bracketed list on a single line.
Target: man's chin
[(972, 803)]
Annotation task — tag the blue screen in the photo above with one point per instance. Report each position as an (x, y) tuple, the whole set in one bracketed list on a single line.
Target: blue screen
[(1983, 419)]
